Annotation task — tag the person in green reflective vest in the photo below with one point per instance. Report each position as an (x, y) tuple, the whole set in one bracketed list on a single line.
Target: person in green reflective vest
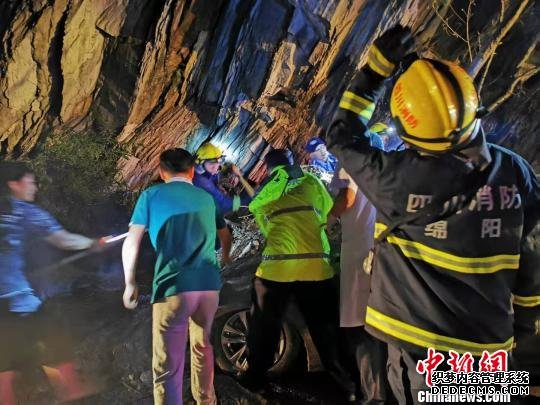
[(291, 210)]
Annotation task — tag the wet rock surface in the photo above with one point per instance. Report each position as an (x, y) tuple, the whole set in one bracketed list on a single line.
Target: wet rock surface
[(244, 73)]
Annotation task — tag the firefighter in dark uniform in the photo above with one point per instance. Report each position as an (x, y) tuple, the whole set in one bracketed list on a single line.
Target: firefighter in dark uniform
[(458, 269)]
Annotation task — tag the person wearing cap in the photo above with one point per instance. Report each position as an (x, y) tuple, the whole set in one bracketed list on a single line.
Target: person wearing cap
[(182, 222), (291, 210), (454, 265), (319, 156), (207, 176)]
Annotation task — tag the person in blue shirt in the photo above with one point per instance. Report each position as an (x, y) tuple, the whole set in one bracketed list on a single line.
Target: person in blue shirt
[(181, 220), (319, 156), (21, 219), (22, 322), (207, 176)]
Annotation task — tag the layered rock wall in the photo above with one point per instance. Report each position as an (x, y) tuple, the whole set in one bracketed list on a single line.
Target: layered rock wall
[(245, 73)]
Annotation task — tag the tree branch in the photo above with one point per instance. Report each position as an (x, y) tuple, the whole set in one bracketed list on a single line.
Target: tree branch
[(456, 13), (483, 57), (486, 70), (504, 6), (468, 19), (445, 23), (488, 64), (518, 80)]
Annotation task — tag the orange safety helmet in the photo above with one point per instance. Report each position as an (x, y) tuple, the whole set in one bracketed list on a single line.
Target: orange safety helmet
[(434, 105)]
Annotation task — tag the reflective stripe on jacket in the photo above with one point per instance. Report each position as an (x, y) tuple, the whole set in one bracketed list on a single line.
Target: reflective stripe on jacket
[(470, 279), (291, 213)]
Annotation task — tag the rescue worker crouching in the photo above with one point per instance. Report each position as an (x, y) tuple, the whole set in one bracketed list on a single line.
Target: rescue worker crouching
[(207, 175), (446, 279), (291, 210)]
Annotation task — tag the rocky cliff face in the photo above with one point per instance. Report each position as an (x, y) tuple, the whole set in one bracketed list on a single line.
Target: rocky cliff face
[(245, 73)]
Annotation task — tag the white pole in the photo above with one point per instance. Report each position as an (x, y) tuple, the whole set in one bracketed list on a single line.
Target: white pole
[(116, 238)]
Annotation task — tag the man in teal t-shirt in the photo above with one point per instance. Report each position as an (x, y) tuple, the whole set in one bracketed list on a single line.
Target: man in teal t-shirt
[(181, 220)]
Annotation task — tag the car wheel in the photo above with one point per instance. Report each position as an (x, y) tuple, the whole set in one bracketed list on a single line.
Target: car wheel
[(230, 344)]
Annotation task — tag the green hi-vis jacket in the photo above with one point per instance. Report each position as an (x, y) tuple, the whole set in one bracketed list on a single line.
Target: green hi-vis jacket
[(291, 211)]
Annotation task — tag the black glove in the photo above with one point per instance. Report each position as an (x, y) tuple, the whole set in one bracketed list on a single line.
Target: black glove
[(389, 49)]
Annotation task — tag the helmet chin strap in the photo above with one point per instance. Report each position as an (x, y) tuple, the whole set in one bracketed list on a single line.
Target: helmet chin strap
[(409, 139), (473, 137), (474, 133), (457, 134), (199, 168), (475, 151)]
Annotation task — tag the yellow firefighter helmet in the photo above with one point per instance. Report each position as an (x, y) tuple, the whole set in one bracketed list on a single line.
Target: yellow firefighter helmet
[(434, 105), (208, 151)]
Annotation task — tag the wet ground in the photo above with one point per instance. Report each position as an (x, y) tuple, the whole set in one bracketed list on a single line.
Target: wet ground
[(109, 348), (85, 330), (106, 349)]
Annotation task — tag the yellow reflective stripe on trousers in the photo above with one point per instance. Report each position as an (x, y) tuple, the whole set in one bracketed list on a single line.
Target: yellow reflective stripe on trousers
[(378, 63), (423, 338), (531, 301), (359, 105), (448, 261)]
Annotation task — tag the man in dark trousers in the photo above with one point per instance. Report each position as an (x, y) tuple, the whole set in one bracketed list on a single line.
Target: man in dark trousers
[(454, 266), (291, 210)]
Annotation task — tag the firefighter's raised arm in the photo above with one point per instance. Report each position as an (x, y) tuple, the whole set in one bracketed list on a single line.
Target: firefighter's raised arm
[(357, 104), (348, 136)]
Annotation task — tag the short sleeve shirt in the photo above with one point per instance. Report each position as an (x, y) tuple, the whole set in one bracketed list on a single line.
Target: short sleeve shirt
[(181, 220), (25, 220)]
